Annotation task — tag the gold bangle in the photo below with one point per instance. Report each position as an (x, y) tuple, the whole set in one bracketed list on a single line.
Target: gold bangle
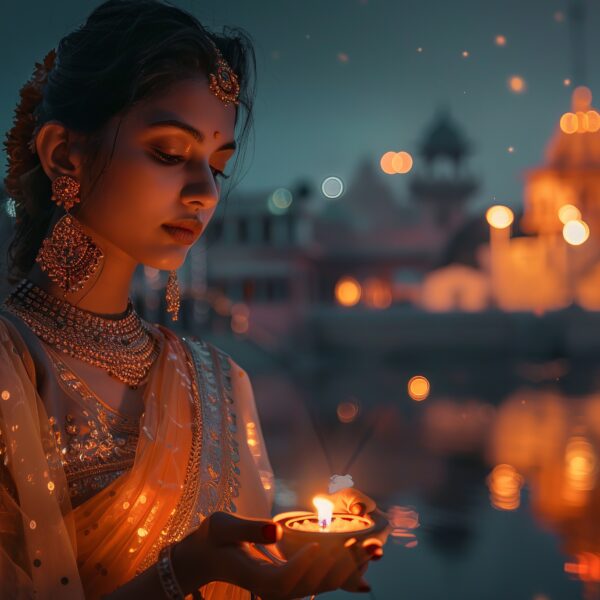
[(166, 575)]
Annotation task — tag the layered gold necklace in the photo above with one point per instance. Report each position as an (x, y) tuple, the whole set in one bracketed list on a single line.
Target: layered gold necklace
[(123, 346)]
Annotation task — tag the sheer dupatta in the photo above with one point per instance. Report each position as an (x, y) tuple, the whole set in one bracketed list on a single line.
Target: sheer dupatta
[(176, 478)]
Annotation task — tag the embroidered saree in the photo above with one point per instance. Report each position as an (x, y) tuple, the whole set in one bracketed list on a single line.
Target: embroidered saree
[(87, 496)]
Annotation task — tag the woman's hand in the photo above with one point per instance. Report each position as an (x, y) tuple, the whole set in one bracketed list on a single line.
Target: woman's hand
[(220, 550), (350, 500)]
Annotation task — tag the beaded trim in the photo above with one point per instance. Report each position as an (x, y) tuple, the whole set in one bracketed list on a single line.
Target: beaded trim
[(178, 523), (166, 575), (211, 481), (220, 458)]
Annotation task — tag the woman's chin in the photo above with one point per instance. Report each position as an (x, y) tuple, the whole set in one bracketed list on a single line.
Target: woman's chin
[(167, 263)]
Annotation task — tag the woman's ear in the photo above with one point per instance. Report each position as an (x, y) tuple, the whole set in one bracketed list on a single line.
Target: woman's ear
[(59, 150)]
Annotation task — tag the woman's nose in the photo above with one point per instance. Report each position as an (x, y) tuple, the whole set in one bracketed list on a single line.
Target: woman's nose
[(201, 195)]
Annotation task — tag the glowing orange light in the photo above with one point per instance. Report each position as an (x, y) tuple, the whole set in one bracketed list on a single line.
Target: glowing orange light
[(593, 121), (567, 82), (582, 97), (568, 212), (377, 293), (504, 483), (569, 123), (581, 464), (576, 232), (586, 566), (418, 388), (500, 40), (402, 162), (348, 291), (465, 53), (347, 411), (499, 216), (324, 511), (386, 163), (516, 84), (582, 122)]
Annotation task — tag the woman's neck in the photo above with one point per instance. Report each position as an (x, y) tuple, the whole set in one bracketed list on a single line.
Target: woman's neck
[(106, 292)]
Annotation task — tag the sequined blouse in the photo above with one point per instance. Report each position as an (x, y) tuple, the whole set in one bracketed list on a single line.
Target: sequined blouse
[(96, 446)]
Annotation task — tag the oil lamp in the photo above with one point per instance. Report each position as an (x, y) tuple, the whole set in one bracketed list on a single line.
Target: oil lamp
[(330, 530)]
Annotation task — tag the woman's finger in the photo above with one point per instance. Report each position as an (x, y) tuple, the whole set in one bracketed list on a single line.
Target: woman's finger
[(225, 529), (282, 580)]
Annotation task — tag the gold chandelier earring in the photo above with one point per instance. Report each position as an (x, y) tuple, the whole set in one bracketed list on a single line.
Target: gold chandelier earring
[(173, 296), (68, 256)]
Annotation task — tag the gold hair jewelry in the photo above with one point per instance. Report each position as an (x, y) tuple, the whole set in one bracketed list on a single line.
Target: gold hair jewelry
[(123, 346), (224, 83), (173, 300), (69, 256)]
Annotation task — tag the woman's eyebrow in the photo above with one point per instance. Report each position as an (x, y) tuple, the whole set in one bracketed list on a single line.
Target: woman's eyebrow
[(197, 135)]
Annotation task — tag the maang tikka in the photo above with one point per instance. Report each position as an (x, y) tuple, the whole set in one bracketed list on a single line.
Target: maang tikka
[(68, 256)]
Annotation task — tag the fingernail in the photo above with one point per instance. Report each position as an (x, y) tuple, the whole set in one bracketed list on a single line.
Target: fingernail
[(359, 508), (269, 532), (364, 588)]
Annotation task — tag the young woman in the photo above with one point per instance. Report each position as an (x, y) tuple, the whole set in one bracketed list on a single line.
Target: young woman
[(122, 444)]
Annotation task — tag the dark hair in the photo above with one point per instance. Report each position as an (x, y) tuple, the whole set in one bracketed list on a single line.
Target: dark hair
[(126, 51)]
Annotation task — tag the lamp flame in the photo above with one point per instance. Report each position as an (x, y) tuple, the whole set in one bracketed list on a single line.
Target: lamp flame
[(324, 511)]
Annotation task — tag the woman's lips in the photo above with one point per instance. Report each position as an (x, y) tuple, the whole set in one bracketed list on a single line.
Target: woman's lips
[(180, 234)]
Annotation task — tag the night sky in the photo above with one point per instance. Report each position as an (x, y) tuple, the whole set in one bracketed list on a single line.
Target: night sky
[(340, 81)]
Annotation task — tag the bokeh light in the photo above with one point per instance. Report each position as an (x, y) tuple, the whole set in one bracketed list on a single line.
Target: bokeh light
[(505, 483), (402, 162), (348, 291), (332, 187), (240, 314), (418, 388), (500, 40), (348, 410), (280, 200), (386, 163), (576, 232), (568, 123), (377, 293), (581, 464), (568, 212), (499, 216), (516, 84)]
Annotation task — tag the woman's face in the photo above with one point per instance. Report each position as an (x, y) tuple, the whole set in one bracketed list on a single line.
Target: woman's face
[(164, 170)]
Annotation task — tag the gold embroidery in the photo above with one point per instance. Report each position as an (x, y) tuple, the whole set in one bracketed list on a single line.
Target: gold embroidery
[(178, 523), (99, 449)]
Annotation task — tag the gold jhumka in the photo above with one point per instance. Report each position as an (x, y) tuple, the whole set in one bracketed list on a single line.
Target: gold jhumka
[(124, 347)]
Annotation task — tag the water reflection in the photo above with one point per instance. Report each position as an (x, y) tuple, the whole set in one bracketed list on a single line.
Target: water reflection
[(503, 485)]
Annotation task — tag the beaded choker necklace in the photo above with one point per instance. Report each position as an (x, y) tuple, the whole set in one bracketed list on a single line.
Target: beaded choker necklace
[(124, 347)]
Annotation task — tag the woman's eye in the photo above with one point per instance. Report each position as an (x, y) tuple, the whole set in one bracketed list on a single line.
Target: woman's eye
[(173, 159), (218, 173), (170, 159)]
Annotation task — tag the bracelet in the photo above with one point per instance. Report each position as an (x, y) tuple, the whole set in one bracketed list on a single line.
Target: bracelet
[(166, 574)]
